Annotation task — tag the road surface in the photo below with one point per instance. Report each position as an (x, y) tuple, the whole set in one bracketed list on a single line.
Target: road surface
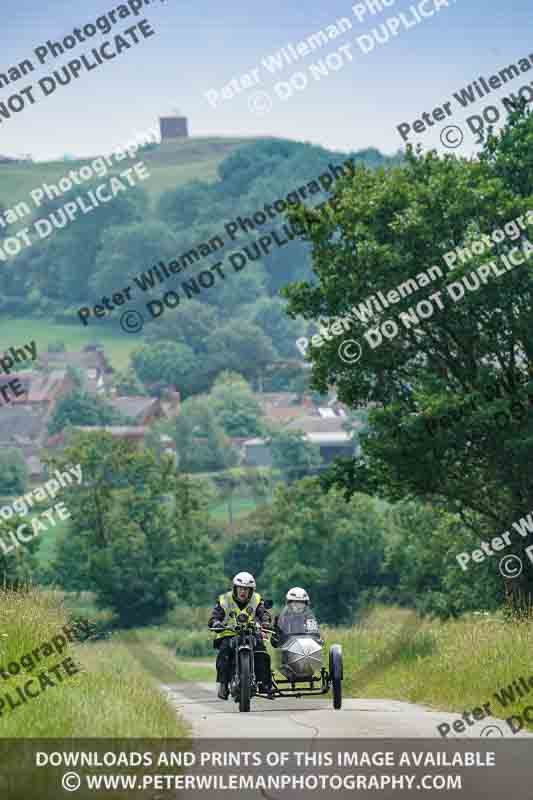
[(312, 717), (308, 728)]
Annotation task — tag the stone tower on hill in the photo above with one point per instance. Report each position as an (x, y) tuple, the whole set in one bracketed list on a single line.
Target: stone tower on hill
[(173, 126)]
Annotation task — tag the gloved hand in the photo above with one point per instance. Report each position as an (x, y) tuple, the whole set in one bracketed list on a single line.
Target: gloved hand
[(259, 630)]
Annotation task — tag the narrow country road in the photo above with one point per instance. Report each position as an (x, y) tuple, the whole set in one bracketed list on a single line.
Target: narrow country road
[(303, 728), (315, 717)]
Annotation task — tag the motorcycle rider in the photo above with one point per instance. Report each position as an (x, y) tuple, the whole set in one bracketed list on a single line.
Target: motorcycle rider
[(241, 599), (295, 619)]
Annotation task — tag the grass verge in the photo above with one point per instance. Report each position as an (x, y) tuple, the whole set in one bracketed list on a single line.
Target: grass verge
[(110, 696), (451, 666), (149, 646)]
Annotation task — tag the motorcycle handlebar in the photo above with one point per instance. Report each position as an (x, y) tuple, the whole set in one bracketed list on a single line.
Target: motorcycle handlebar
[(256, 625)]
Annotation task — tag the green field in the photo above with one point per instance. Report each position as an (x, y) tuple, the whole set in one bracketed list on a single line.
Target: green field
[(118, 345), (242, 505), (170, 164)]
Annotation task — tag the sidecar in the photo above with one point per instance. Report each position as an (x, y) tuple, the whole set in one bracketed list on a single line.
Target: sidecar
[(300, 659)]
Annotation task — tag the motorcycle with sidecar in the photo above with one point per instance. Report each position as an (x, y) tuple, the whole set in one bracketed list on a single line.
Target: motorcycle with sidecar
[(300, 656)]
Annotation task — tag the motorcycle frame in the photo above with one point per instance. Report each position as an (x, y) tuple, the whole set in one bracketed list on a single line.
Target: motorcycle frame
[(243, 641)]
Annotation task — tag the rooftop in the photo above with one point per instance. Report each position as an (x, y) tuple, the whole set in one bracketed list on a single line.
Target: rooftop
[(42, 384), (19, 422), (86, 359), (310, 424), (115, 430), (133, 406)]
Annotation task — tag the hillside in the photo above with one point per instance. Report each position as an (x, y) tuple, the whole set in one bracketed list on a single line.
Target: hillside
[(193, 186), (171, 164)]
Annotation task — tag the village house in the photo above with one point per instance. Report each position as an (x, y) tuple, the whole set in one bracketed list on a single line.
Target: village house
[(23, 429), (132, 433), (324, 427), (92, 361), (24, 422), (281, 407), (140, 410)]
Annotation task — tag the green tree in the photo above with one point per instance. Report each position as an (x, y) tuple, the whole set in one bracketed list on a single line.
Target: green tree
[(218, 446), (60, 268), (332, 548), (189, 325), (181, 207), (127, 384), (141, 535), (81, 408), (201, 443), (234, 405), (293, 455), (243, 348), (247, 548), (259, 481), (18, 564), (129, 249), (238, 289), (389, 228), (421, 569), (13, 472), (170, 363), (270, 315)]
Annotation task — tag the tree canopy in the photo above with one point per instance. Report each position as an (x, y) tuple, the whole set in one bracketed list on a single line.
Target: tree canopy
[(13, 472), (81, 408), (389, 227), (139, 535)]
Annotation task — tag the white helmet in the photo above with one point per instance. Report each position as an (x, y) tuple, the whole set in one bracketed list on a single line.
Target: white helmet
[(297, 600), (297, 594), (245, 580)]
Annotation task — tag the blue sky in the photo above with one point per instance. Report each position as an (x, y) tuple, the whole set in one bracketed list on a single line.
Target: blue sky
[(201, 45)]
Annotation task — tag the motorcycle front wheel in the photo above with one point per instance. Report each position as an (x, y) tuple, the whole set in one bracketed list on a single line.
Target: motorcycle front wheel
[(245, 681)]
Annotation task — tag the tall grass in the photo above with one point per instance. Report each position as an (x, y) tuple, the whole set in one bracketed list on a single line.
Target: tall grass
[(111, 695), (147, 646), (186, 632), (182, 642), (454, 665)]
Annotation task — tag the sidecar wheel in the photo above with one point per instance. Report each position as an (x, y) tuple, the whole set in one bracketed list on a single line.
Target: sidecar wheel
[(336, 672)]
